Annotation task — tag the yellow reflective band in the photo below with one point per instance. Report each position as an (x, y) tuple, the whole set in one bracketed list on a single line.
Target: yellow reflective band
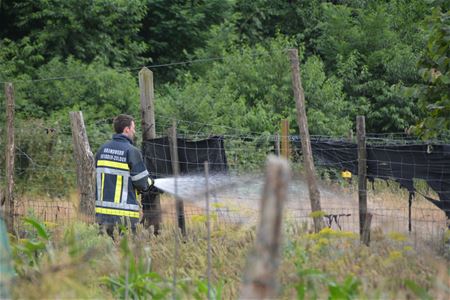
[(118, 192), (103, 186), (112, 164), (117, 212)]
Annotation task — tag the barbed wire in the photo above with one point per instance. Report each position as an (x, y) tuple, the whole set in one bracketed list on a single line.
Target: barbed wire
[(152, 66)]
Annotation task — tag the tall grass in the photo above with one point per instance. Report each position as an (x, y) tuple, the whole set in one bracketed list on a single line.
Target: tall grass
[(75, 261)]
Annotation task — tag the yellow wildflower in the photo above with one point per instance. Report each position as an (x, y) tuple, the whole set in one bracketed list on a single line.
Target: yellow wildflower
[(397, 236)]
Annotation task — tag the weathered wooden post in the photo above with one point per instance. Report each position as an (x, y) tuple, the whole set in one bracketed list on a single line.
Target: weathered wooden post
[(362, 173), (151, 202), (172, 134), (285, 138), (259, 280), (366, 229), (2, 179), (10, 153), (147, 103), (208, 229), (85, 165), (314, 193), (410, 198)]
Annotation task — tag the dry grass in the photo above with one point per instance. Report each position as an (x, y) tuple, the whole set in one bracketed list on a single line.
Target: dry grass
[(393, 258), (388, 204), (48, 209), (381, 269)]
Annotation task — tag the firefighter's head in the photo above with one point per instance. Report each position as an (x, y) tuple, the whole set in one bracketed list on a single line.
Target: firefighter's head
[(125, 124)]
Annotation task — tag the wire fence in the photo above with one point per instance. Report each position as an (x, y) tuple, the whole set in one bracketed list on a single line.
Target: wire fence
[(45, 179)]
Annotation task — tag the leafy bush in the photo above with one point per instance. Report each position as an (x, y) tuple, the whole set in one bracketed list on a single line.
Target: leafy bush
[(250, 91), (100, 92)]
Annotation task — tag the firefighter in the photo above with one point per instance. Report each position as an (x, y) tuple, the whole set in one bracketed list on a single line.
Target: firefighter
[(121, 173)]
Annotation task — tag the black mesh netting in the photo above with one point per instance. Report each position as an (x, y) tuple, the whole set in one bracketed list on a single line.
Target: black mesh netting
[(401, 163), (191, 155)]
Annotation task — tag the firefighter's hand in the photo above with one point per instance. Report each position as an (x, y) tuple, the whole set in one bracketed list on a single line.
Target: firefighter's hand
[(151, 183), (151, 188)]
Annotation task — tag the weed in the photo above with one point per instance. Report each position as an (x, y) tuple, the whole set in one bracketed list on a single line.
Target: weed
[(135, 280), (27, 252)]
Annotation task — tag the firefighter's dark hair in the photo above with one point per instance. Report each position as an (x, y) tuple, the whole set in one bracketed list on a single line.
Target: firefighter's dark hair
[(122, 121)]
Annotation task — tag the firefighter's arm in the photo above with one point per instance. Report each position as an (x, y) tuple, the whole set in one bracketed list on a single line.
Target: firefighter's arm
[(139, 175)]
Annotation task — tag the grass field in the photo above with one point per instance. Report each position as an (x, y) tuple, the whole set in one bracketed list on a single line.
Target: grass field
[(64, 257)]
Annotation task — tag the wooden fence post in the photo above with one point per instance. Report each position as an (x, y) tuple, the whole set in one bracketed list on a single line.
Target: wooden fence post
[(362, 172), (172, 134), (208, 229), (410, 198), (147, 103), (366, 229), (10, 153), (85, 165), (285, 138), (259, 280), (152, 205), (2, 175), (314, 193)]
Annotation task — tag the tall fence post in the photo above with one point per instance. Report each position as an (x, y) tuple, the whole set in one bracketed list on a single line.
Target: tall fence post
[(176, 172), (85, 165), (259, 280), (10, 153), (2, 175), (410, 198), (366, 229), (208, 229), (314, 193), (362, 173), (285, 138), (152, 202), (147, 103)]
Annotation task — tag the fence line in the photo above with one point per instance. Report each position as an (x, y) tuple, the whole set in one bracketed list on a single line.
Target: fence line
[(44, 155), (127, 69), (234, 146)]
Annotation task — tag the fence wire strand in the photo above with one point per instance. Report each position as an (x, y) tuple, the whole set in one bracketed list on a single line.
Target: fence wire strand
[(47, 168)]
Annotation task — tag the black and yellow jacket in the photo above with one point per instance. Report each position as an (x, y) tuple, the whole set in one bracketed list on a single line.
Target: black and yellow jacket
[(120, 173)]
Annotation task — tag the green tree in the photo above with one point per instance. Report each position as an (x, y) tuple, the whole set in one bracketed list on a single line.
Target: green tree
[(363, 44), (174, 29), (99, 91), (84, 29), (434, 92), (251, 91), (258, 20)]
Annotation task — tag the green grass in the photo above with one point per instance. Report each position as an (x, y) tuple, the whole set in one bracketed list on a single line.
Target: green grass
[(75, 261)]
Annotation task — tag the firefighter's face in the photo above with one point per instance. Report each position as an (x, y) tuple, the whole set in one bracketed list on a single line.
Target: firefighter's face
[(130, 131)]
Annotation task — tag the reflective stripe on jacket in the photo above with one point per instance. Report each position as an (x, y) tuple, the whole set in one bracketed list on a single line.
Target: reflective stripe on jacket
[(120, 172)]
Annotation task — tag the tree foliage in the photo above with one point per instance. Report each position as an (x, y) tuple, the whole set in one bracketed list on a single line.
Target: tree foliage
[(173, 29), (358, 56), (97, 90), (434, 64), (256, 93), (375, 59), (84, 29)]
